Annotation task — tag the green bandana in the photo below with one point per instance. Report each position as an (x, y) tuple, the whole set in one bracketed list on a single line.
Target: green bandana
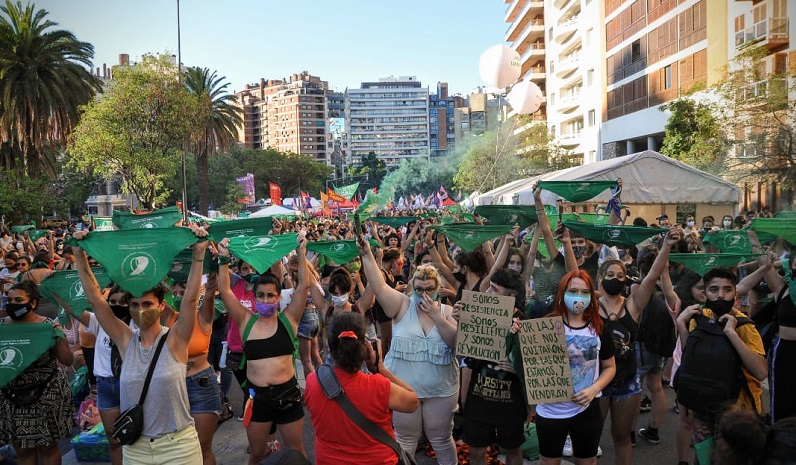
[(136, 259), (508, 214), (591, 218), (469, 236), (181, 265), (577, 191), (36, 234), (346, 191), (786, 214), (66, 285), (262, 251), (701, 263), (22, 228), (766, 228), (339, 251), (428, 215), (103, 224), (22, 344), (789, 279), (730, 241), (542, 247), (163, 218), (394, 221), (446, 220), (613, 234), (234, 228)]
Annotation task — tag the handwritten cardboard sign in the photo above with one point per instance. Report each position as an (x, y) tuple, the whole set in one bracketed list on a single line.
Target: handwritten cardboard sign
[(483, 323), (545, 360)]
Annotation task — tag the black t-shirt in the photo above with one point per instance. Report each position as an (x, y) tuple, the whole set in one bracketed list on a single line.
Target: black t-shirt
[(590, 265)]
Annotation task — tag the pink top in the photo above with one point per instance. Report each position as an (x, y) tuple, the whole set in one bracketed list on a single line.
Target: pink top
[(246, 298)]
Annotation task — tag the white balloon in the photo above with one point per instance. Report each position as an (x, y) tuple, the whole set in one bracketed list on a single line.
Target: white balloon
[(499, 66), (525, 97)]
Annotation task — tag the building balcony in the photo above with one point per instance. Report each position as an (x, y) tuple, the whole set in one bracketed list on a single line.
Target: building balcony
[(518, 21), (771, 33), (570, 139), (533, 31), (568, 102), (567, 65), (562, 4), (536, 73), (568, 28), (536, 50)]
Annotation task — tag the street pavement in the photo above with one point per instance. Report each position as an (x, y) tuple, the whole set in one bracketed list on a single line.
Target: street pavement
[(230, 443)]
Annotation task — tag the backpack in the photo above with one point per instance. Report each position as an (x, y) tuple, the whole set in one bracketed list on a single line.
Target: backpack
[(656, 329), (710, 377)]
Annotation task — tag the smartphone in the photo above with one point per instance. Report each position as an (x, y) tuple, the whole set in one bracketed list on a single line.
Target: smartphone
[(374, 343), (357, 224)]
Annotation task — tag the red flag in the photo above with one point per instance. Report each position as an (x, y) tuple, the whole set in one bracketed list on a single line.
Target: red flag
[(335, 196), (276, 193)]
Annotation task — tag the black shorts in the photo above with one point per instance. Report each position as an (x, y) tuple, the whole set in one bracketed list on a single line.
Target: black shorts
[(280, 403), (584, 428), (484, 434)]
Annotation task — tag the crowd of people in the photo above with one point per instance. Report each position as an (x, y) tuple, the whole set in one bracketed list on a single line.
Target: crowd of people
[(386, 321)]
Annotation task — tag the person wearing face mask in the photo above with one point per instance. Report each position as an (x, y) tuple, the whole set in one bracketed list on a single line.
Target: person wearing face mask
[(621, 317), (242, 285), (35, 428), (270, 347), (106, 364), (309, 326), (591, 360), (422, 355), (169, 435), (726, 222), (745, 340), (8, 275), (340, 289)]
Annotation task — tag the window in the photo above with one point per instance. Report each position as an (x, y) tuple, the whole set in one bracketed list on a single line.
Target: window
[(588, 36), (592, 118), (667, 77), (590, 77), (635, 51)]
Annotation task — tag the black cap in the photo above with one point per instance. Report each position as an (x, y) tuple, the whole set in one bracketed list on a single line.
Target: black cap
[(663, 216)]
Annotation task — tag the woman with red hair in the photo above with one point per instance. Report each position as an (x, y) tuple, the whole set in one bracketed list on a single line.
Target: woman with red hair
[(591, 361)]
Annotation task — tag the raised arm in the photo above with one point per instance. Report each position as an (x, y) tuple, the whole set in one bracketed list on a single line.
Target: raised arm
[(391, 300), (119, 332), (298, 303), (544, 224), (639, 298), (530, 259), (503, 252), (240, 314), (569, 255), (181, 332), (407, 239), (774, 281), (753, 278)]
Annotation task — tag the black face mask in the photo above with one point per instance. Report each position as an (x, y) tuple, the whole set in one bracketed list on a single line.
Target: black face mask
[(579, 250), (460, 276), (719, 307), (121, 312), (613, 286), (18, 311)]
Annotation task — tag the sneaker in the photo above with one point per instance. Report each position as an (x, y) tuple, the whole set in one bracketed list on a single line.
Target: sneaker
[(599, 451), (646, 405), (650, 435), (676, 408), (633, 438), (240, 418), (567, 447)]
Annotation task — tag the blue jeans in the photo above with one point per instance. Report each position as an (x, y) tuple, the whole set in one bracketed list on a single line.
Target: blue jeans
[(204, 395)]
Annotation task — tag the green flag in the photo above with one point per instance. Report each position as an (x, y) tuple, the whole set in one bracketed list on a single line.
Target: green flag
[(523, 215), (469, 236), (394, 221), (262, 251), (163, 218), (244, 227), (701, 263), (339, 252), (103, 224), (181, 265), (577, 191), (613, 234), (136, 259), (22, 344), (22, 228), (347, 191), (730, 240), (372, 203), (786, 214), (36, 234), (66, 285), (592, 218), (766, 228)]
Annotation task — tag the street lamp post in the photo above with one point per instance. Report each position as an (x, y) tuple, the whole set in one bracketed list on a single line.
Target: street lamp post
[(179, 74)]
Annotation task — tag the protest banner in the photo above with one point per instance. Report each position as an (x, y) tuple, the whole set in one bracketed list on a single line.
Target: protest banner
[(483, 323), (545, 361)]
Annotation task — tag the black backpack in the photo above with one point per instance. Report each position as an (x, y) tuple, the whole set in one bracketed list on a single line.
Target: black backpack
[(710, 377), (656, 329)]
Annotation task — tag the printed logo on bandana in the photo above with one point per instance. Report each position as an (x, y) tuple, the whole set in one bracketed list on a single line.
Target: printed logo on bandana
[(578, 187), (260, 243), (137, 264), (469, 234), (614, 234), (340, 247), (10, 357), (511, 218), (710, 261), (148, 225), (77, 291), (176, 266), (735, 241)]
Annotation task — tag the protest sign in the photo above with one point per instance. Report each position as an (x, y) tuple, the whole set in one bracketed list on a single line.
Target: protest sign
[(483, 323), (545, 361)]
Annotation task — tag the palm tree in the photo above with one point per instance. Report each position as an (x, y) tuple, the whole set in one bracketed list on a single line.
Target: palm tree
[(44, 78), (220, 131)]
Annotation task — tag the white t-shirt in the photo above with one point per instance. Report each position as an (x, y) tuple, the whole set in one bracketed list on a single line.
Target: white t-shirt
[(5, 274), (583, 347), (102, 348)]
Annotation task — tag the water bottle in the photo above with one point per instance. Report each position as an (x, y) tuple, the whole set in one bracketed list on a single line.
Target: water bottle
[(222, 363)]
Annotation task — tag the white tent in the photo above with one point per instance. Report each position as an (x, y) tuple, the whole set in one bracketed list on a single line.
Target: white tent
[(274, 210)]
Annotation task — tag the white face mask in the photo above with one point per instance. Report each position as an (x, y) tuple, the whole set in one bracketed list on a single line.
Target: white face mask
[(517, 268), (339, 300), (690, 224), (727, 223)]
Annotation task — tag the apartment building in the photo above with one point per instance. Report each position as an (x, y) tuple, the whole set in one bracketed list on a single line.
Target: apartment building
[(480, 112), (442, 119), (656, 52), (526, 35), (289, 115), (389, 117)]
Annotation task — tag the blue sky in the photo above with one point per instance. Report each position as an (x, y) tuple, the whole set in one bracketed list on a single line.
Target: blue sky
[(345, 42)]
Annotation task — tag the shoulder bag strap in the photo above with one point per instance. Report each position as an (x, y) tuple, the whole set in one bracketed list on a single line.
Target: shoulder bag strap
[(151, 369), (327, 373)]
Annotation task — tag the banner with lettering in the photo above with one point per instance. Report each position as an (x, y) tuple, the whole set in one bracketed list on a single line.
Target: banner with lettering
[(545, 361), (102, 223), (163, 218), (247, 186), (483, 323), (275, 192), (347, 191)]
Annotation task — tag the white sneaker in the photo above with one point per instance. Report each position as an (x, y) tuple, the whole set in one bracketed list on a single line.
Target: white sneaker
[(567, 447), (599, 451)]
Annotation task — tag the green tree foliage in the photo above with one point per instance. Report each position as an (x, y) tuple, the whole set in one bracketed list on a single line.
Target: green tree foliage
[(25, 198), (231, 206), (371, 166), (44, 78), (694, 135), (220, 130), (138, 128), (421, 175)]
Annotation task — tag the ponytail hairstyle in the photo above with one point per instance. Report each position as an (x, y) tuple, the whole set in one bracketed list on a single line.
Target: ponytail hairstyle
[(591, 314), (348, 351)]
